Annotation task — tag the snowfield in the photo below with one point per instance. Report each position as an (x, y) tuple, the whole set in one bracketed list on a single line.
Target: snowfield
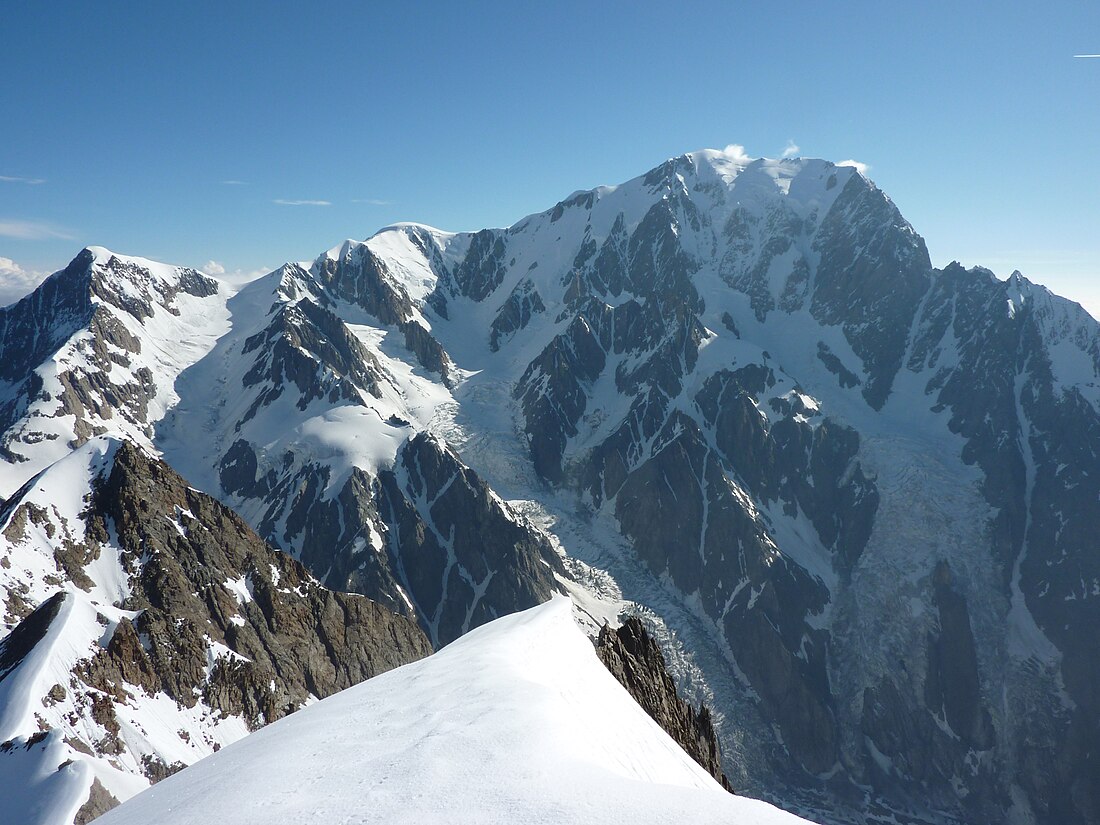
[(518, 721)]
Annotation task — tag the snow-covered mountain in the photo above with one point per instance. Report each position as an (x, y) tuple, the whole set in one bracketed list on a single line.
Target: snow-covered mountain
[(312, 427), (164, 629), (516, 722), (312, 416), (96, 349), (851, 493)]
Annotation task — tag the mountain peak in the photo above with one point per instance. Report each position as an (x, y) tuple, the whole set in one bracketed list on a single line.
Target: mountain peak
[(96, 348)]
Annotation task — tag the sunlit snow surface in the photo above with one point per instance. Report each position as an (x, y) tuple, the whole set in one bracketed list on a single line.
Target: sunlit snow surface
[(516, 722)]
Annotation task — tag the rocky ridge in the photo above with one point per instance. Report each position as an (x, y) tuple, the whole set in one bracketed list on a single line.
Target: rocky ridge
[(210, 632), (635, 659), (95, 349)]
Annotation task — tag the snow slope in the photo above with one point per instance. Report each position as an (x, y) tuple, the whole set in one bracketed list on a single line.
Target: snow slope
[(518, 721)]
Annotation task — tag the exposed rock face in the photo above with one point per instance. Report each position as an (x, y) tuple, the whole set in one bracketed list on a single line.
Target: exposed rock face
[(523, 303), (213, 628), (309, 640), (426, 538), (872, 272), (359, 276), (18, 644), (299, 336), (635, 659), (952, 685), (100, 800), (467, 559)]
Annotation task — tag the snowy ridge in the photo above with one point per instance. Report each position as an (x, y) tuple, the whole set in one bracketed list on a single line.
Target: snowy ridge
[(48, 688), (516, 722), (139, 323), (45, 693), (45, 515), (163, 628)]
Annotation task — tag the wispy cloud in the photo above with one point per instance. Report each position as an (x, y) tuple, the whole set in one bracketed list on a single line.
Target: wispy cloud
[(16, 179), (15, 281), (32, 231), (284, 202), (792, 150), (859, 166), (372, 201), (234, 183), (236, 277), (737, 152), (1087, 55)]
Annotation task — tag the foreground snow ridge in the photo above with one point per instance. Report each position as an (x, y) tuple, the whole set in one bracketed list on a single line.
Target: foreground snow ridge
[(518, 721)]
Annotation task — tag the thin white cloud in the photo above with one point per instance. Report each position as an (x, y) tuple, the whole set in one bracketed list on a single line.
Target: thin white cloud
[(16, 179), (372, 201), (240, 277), (15, 281), (1087, 55), (32, 231), (792, 150), (859, 166), (234, 183), (284, 202), (737, 153), (235, 277)]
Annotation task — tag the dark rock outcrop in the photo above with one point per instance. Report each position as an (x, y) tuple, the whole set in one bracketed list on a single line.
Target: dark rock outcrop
[(214, 620), (186, 551), (635, 659), (99, 801), (15, 647), (952, 687), (523, 303), (466, 558)]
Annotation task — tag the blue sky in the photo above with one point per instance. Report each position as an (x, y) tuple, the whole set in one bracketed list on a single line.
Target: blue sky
[(189, 132)]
